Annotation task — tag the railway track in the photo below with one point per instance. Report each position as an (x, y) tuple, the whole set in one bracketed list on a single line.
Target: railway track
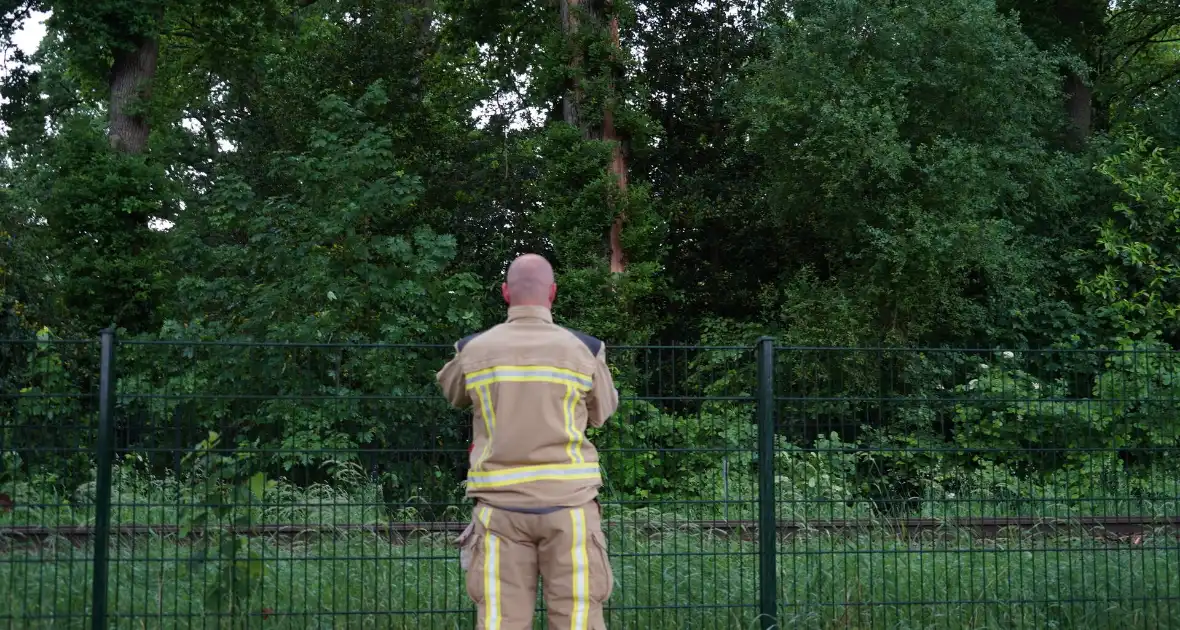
[(1115, 527)]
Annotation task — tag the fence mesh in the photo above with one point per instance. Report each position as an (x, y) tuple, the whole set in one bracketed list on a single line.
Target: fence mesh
[(308, 486), (977, 489), (48, 428)]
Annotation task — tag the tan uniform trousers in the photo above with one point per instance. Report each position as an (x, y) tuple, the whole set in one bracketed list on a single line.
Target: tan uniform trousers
[(502, 553)]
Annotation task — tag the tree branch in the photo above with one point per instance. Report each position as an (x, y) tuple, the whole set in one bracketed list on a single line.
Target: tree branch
[(1172, 74), (1139, 44)]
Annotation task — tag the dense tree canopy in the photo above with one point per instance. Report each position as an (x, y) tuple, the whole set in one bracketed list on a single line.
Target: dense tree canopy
[(829, 171), (933, 173)]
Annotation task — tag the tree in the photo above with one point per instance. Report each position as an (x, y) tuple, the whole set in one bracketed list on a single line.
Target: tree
[(1107, 41), (898, 192), (596, 69), (95, 204), (703, 173)]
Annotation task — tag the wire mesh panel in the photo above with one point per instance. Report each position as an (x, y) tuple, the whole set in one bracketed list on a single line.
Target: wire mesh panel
[(276, 485), (300, 486), (977, 489), (680, 488), (48, 419), (309, 486)]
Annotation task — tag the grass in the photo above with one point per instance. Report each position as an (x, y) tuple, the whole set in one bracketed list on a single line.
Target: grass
[(669, 579), (667, 574)]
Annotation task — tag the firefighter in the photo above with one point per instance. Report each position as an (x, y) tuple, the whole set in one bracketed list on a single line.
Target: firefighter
[(534, 477)]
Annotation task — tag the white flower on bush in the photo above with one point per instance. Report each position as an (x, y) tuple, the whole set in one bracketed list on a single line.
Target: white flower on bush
[(972, 383), (1008, 354), (983, 366), (1036, 385)]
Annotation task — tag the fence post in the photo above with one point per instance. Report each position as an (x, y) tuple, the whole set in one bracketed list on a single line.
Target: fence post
[(767, 523), (104, 452)]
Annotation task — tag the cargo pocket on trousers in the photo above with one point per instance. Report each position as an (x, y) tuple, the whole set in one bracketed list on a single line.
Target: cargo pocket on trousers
[(471, 560), (602, 579)]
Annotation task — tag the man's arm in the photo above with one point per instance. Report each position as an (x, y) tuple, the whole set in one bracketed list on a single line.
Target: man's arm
[(603, 399), (454, 383)]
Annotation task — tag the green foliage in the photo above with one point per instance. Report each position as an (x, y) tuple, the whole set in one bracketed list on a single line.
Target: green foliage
[(1005, 408), (296, 409), (829, 172), (338, 256), (898, 178), (241, 570), (819, 483), (579, 200), (700, 456), (88, 211), (47, 379), (14, 290), (357, 175), (1140, 394), (1138, 287)]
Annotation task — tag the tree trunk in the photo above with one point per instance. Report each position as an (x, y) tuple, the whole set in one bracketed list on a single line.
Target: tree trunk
[(608, 133), (569, 104), (418, 18), (618, 167), (1083, 24), (1080, 108), (131, 79)]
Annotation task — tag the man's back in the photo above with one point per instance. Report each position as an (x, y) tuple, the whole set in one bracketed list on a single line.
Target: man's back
[(534, 388)]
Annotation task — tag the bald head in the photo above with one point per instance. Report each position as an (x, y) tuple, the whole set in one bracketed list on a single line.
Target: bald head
[(530, 282)]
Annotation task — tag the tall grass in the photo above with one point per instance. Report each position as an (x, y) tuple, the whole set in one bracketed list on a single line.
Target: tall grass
[(350, 498)]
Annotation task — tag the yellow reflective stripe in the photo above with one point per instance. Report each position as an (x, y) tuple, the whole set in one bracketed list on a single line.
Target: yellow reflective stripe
[(569, 408), (491, 572), (529, 368), (526, 474), (489, 423), (528, 374), (580, 618), (491, 582), (579, 437), (568, 422)]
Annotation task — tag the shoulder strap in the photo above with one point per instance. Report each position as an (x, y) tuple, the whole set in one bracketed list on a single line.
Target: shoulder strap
[(593, 344), (466, 340)]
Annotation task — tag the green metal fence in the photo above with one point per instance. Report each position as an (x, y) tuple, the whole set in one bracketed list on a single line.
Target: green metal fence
[(213, 484)]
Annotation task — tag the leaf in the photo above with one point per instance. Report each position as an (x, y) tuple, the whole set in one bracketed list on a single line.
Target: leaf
[(255, 566), (228, 547), (258, 485)]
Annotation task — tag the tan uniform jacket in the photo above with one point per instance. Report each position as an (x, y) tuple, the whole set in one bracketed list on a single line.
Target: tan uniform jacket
[(535, 387)]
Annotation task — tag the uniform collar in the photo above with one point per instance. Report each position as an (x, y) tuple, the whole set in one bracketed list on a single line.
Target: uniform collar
[(530, 312)]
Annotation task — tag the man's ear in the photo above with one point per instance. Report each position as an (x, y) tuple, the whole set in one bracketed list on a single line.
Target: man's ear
[(504, 292), (552, 293)]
